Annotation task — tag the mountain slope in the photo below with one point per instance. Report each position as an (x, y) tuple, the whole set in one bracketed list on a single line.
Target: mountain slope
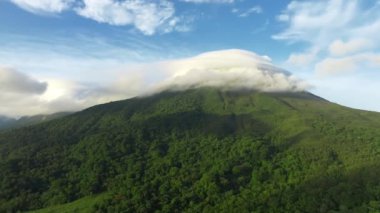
[(199, 150), (4, 121), (8, 123)]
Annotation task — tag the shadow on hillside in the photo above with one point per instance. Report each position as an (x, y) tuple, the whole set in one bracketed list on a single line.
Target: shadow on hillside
[(203, 123)]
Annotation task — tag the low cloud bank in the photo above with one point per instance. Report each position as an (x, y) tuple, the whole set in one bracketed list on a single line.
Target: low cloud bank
[(12, 81), (227, 69)]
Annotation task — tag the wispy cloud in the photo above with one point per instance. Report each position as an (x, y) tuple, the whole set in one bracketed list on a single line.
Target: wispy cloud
[(247, 12), (210, 1), (147, 16), (317, 21), (336, 32), (44, 6), (341, 48), (303, 58), (81, 56), (343, 65)]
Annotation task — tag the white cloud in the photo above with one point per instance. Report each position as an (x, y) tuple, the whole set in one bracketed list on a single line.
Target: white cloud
[(341, 48), (19, 92), (303, 59), (209, 1), (335, 28), (67, 95), (44, 6), (316, 21), (229, 69), (15, 105), (331, 66), (283, 17), (146, 15), (322, 22), (248, 12)]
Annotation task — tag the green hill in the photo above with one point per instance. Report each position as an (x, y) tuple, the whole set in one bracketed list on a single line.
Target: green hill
[(9, 123), (201, 150)]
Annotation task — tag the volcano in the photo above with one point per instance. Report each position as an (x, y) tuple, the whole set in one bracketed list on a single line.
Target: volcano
[(198, 150)]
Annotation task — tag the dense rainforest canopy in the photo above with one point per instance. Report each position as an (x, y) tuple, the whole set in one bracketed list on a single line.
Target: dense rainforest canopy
[(201, 150)]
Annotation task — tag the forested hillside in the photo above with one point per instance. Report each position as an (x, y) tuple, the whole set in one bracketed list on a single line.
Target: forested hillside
[(9, 123), (198, 150)]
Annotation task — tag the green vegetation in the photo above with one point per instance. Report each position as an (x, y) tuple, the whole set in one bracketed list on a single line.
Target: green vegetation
[(9, 123), (199, 150), (85, 204)]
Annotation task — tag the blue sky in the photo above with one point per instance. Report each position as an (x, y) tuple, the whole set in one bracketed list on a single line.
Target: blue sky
[(75, 51)]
